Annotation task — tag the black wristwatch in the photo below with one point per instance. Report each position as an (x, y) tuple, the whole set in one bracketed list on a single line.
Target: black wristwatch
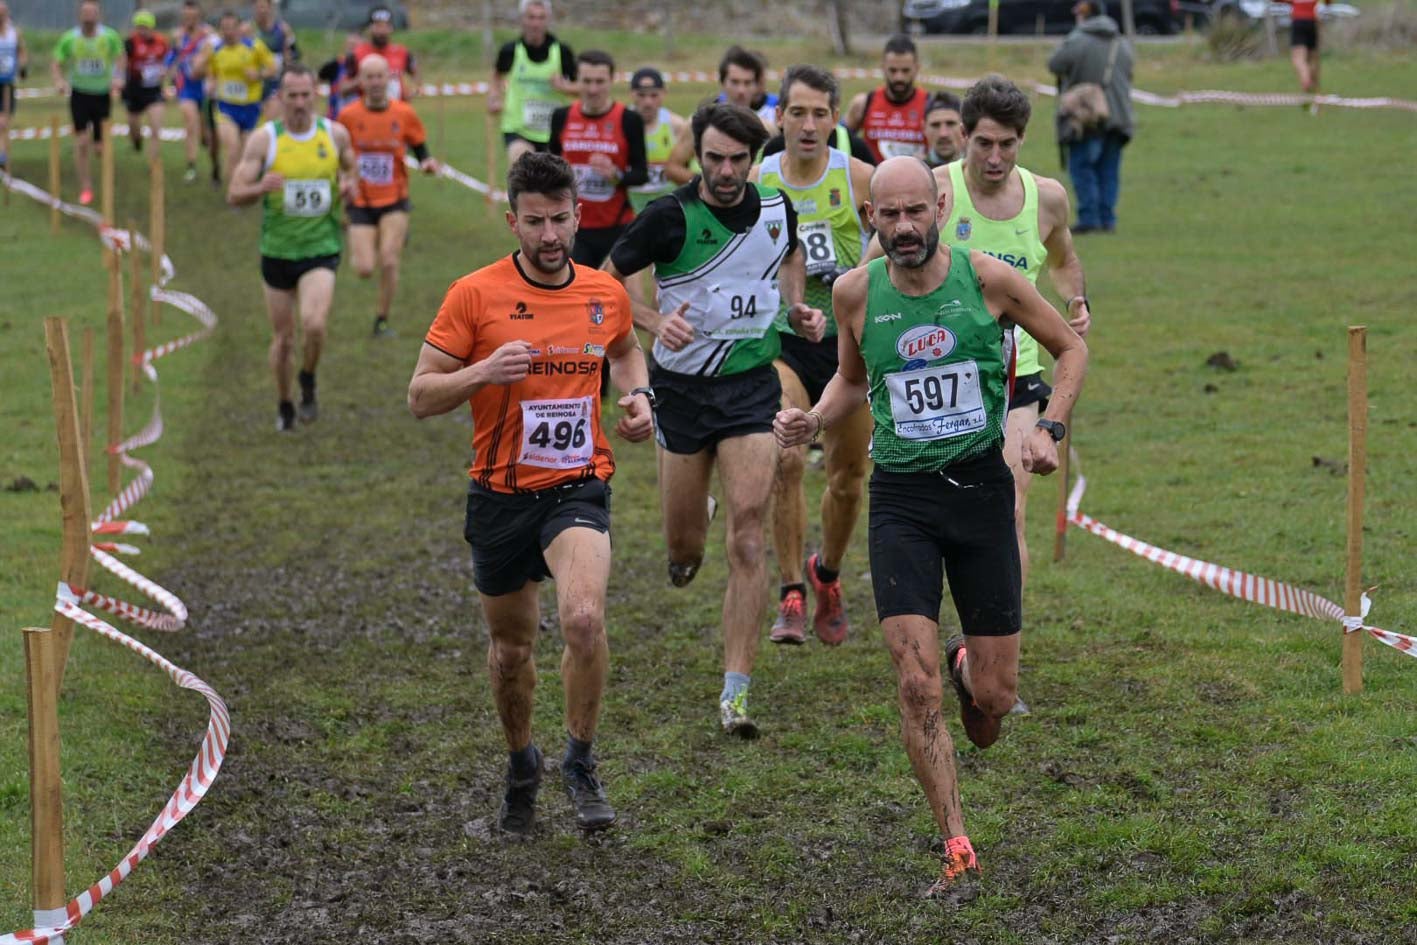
[(1055, 429), (649, 395)]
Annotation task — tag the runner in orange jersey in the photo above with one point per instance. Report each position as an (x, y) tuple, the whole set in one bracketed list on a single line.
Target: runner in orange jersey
[(524, 340), (382, 129)]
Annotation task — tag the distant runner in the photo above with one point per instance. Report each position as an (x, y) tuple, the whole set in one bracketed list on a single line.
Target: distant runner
[(189, 42), (532, 73), (146, 52), (237, 67), (662, 128), (14, 65), (891, 119), (88, 66)]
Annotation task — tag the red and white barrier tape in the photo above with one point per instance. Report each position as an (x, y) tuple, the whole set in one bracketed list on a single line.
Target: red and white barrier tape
[(1247, 587), (50, 926)]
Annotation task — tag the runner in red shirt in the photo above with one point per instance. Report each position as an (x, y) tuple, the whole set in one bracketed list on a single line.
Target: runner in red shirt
[(382, 130), (891, 119), (146, 51), (1304, 45), (521, 340), (403, 73)]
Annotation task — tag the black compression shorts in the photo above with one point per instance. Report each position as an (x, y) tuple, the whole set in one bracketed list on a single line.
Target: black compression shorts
[(510, 532)]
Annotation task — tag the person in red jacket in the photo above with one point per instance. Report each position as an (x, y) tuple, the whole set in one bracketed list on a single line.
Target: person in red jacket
[(1304, 45), (403, 72), (604, 142), (891, 119), (146, 50)]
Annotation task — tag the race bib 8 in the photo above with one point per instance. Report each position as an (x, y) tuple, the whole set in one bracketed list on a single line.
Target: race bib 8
[(592, 185), (536, 115), (307, 198), (557, 434), (376, 168), (234, 91), (90, 67), (819, 246), (936, 403), (152, 74)]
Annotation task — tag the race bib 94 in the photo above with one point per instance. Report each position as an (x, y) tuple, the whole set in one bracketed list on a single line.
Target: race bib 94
[(936, 403)]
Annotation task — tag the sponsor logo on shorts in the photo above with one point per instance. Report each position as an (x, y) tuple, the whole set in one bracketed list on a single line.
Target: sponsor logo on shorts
[(520, 314), (930, 342), (887, 317)]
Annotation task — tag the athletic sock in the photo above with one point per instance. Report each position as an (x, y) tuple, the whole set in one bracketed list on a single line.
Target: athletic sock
[(523, 762), (576, 750), (789, 588), (733, 683), (825, 576), (307, 386), (287, 412)]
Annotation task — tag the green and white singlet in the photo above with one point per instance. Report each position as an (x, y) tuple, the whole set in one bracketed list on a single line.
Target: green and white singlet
[(828, 227), (937, 365), (730, 282), (1016, 241)]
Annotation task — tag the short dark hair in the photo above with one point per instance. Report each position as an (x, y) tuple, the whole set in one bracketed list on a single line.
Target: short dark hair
[(814, 77), (192, 4), (596, 57), (740, 57), (996, 98), (739, 123), (942, 100), (538, 172), (297, 69), (228, 13), (900, 44)]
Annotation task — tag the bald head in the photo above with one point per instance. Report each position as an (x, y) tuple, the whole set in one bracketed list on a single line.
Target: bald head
[(905, 208), (903, 175), (374, 80)]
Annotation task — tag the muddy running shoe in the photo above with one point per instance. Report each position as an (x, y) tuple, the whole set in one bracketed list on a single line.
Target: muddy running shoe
[(382, 329), (518, 812), (981, 729), (1020, 707), (960, 864), (587, 794), (791, 624), (734, 715), (829, 620)]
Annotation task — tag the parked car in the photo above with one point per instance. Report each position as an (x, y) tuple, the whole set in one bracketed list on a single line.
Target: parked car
[(1253, 11), (1053, 17), (301, 14)]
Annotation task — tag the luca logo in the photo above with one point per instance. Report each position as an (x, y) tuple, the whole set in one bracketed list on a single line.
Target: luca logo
[(596, 310), (925, 343)]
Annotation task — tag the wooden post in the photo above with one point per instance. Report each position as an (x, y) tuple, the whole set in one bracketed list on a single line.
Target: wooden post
[(440, 124), (1060, 536), (86, 395), (135, 305), (73, 482), (46, 788), (115, 372), (993, 32), (1357, 472), (54, 183), (490, 132), (106, 165), (157, 232)]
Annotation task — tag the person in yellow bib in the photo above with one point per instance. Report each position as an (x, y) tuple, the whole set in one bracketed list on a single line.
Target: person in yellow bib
[(300, 169), (531, 75), (236, 68)]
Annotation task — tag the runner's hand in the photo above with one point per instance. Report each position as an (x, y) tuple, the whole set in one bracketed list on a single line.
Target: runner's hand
[(808, 322), (272, 183), (794, 427), (430, 166), (674, 330), (1082, 320), (63, 88), (508, 364), (604, 166), (349, 188), (1040, 453), (494, 103), (638, 422), (253, 75)]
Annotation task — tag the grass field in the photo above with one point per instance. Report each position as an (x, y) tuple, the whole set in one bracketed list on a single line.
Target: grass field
[(1191, 771)]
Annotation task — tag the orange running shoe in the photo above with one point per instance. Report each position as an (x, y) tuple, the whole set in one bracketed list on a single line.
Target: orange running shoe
[(982, 730), (959, 863), (791, 624), (86, 196), (830, 618)]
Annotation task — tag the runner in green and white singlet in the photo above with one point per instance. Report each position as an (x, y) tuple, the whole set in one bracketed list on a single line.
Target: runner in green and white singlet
[(725, 253), (532, 72), (662, 129), (828, 189), (926, 333)]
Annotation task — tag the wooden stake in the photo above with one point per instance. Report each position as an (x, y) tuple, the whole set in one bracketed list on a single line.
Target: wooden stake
[(1060, 536), (54, 183), (106, 165), (157, 232), (1357, 472), (440, 123), (46, 788), (135, 305), (490, 132), (115, 373), (73, 482), (86, 395)]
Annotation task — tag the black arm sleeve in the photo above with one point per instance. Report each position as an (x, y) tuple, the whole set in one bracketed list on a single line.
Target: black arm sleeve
[(329, 71), (859, 149), (558, 125), (568, 62), (791, 225), (420, 151), (634, 127), (655, 236), (505, 57)]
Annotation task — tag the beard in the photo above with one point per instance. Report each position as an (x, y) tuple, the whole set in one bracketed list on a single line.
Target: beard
[(899, 91), (381, 40), (541, 264), (915, 253)]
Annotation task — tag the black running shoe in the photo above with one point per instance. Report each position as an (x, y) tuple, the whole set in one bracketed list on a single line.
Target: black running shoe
[(285, 417), (309, 410), (587, 794), (518, 812), (382, 328)]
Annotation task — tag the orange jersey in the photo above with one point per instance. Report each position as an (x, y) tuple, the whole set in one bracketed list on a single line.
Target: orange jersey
[(380, 139), (544, 430)]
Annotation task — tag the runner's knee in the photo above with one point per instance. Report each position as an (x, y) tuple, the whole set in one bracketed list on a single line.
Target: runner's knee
[(506, 659), (746, 545), (583, 628), (994, 698), (790, 464), (920, 691)]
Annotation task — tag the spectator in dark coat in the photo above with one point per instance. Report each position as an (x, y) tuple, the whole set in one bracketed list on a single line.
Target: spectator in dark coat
[(1095, 51)]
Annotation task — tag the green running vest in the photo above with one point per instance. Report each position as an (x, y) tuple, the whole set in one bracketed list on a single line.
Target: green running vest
[(531, 98), (937, 366), (659, 144), (1016, 241)]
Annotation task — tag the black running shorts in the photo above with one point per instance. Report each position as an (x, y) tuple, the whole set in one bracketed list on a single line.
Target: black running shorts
[(814, 362), (284, 274), (1304, 33), (87, 108), (1030, 389), (370, 216), (509, 532), (138, 98), (693, 413), (957, 524)]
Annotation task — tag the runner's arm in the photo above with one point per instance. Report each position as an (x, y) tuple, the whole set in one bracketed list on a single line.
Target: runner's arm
[(677, 167), (442, 383), (248, 183), (637, 169), (497, 87), (23, 53), (565, 80), (645, 316), (861, 172), (56, 65), (1064, 266), (847, 389), (348, 177), (855, 113), (628, 373)]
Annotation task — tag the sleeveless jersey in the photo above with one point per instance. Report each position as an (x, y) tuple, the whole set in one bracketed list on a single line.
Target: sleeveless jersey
[(302, 220), (184, 53), (828, 227), (604, 203), (531, 98), (894, 130), (730, 282), (228, 70), (1017, 242), (658, 145), (147, 60), (937, 365), (398, 58), (89, 60), (9, 53)]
